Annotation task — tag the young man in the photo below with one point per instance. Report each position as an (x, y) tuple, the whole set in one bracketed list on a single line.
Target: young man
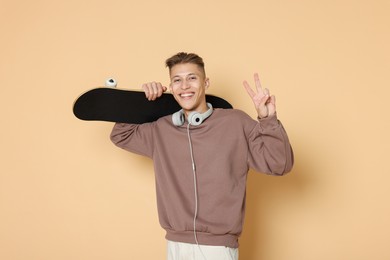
[(201, 159)]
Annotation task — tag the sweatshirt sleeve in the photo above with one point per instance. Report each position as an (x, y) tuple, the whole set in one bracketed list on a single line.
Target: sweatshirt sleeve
[(270, 151), (134, 138)]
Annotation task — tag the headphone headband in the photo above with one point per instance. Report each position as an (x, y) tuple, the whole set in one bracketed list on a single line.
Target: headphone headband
[(194, 118)]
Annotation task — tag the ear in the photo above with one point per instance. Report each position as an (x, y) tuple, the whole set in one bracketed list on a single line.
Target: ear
[(207, 83)]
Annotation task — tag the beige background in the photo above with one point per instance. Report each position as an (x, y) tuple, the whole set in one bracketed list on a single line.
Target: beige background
[(67, 193)]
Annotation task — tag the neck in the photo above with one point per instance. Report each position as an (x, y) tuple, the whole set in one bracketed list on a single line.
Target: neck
[(200, 110)]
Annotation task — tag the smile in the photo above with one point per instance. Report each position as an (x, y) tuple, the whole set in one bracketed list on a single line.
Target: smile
[(187, 95)]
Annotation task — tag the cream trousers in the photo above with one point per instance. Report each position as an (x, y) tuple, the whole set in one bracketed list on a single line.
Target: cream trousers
[(184, 251)]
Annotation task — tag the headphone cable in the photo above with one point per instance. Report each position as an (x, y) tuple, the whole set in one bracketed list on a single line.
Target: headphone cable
[(195, 189)]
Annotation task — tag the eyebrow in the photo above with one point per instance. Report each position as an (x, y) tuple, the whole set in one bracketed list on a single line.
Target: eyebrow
[(190, 74)]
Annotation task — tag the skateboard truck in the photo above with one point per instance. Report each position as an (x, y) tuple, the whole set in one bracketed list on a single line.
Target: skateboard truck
[(111, 83)]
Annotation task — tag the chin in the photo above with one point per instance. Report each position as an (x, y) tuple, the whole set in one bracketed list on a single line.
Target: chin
[(186, 105), (187, 108)]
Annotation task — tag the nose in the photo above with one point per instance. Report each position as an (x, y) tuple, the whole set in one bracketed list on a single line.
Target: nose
[(185, 85)]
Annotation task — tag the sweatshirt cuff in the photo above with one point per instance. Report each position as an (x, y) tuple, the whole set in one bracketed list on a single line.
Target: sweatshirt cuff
[(269, 122)]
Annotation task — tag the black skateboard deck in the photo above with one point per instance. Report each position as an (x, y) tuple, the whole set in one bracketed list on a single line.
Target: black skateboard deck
[(129, 106)]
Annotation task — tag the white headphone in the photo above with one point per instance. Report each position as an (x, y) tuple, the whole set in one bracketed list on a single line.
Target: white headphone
[(194, 118)]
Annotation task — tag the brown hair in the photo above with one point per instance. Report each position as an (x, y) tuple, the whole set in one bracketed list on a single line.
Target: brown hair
[(183, 57)]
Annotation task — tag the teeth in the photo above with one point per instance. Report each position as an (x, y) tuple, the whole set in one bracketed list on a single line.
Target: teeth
[(187, 95)]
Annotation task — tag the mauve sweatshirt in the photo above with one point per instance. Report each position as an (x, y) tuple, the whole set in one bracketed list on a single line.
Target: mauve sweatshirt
[(225, 146)]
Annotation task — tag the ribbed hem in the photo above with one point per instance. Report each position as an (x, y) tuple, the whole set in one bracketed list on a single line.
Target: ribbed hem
[(270, 122), (203, 238)]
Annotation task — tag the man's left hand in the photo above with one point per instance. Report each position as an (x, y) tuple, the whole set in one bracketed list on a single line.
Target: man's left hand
[(263, 101)]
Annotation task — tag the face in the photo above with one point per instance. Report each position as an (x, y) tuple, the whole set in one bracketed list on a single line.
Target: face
[(188, 86)]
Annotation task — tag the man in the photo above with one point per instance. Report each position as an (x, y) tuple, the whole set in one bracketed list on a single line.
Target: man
[(201, 159)]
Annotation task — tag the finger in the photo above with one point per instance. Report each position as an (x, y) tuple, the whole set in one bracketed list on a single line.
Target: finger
[(146, 90), (258, 83), (249, 90), (150, 90), (266, 92), (154, 90), (262, 107), (160, 89), (272, 107), (273, 100), (263, 101)]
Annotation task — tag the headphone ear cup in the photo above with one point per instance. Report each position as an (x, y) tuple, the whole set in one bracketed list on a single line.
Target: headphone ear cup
[(178, 118), (195, 118)]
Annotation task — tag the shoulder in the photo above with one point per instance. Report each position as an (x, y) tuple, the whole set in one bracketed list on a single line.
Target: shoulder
[(233, 117), (232, 114), (231, 122)]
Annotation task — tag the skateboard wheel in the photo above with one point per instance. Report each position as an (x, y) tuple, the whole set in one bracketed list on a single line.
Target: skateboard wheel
[(111, 83)]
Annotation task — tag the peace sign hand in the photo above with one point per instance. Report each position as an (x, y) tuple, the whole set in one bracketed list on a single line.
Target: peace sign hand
[(264, 103)]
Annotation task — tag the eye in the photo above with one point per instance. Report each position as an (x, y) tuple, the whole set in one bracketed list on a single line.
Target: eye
[(176, 80), (192, 77)]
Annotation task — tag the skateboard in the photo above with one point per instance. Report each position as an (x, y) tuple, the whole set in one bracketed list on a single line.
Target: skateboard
[(129, 106)]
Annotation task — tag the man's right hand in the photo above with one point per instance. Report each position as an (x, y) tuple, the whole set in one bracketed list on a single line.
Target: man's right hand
[(153, 90)]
